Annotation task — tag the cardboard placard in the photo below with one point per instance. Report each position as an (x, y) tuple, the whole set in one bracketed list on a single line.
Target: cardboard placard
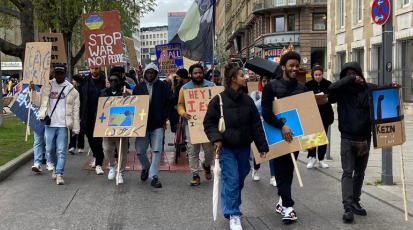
[(252, 86), (387, 117), (196, 104), (320, 99), (103, 39), (58, 46), (122, 117), (302, 118), (20, 108), (169, 58), (37, 63), (130, 48)]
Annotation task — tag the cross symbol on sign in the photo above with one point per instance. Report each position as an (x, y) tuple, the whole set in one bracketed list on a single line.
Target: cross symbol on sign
[(142, 114), (380, 11), (102, 118)]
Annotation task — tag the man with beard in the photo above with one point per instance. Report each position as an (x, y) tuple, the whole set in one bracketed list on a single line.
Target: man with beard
[(252, 76), (89, 91), (198, 81), (281, 87)]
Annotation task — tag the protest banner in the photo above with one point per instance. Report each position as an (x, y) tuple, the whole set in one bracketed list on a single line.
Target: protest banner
[(189, 62), (196, 104), (387, 117), (103, 39), (321, 99), (169, 58), (58, 46), (37, 63), (122, 117), (21, 106), (130, 48), (252, 86)]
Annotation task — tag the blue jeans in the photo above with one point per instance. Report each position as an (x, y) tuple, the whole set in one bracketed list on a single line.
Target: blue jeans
[(155, 138), (235, 167), (56, 144), (39, 148)]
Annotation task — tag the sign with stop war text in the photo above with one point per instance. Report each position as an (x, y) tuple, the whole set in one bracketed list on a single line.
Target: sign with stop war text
[(196, 104), (58, 46), (122, 117), (103, 39), (37, 63), (169, 58), (387, 117)]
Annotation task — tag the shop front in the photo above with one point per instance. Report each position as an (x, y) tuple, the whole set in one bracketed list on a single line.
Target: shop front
[(12, 69)]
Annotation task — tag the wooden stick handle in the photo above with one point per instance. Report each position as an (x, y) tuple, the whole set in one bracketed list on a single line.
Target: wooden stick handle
[(119, 160), (296, 170), (124, 91), (88, 153), (403, 184)]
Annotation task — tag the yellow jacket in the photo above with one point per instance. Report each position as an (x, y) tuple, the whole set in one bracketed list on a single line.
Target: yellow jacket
[(181, 100)]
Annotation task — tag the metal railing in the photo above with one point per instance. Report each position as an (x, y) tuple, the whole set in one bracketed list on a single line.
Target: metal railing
[(265, 4)]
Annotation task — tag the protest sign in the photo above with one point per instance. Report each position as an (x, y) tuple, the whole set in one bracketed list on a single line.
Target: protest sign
[(252, 86), (122, 117), (20, 108), (387, 117), (321, 99), (103, 39), (196, 104), (130, 48), (169, 58), (37, 63), (58, 46), (302, 118)]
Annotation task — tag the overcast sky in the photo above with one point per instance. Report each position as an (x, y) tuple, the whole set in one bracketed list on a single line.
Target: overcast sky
[(160, 16)]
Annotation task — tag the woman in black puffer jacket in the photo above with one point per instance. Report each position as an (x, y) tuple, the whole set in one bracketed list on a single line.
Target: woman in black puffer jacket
[(243, 126)]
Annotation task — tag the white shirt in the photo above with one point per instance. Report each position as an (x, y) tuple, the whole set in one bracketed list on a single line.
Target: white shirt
[(59, 116)]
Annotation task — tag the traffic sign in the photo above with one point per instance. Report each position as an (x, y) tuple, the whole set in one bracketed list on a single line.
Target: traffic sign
[(380, 11)]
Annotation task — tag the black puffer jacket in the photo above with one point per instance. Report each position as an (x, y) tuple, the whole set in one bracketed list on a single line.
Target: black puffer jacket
[(242, 121), (278, 88), (326, 110)]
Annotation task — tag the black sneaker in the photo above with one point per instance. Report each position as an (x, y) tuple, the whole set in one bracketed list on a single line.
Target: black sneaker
[(289, 217), (183, 148), (145, 174), (155, 182), (348, 214), (358, 209)]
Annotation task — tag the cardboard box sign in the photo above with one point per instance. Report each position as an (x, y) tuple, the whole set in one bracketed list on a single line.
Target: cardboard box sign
[(37, 63), (122, 117), (58, 46), (387, 117), (169, 58), (196, 104), (130, 47), (300, 113), (103, 39), (252, 86)]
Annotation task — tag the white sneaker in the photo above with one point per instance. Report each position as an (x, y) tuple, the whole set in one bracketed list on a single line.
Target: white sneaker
[(72, 150), (94, 163), (54, 173), (255, 174), (120, 178), (81, 151), (112, 173), (290, 215), (49, 166), (311, 163), (323, 164), (37, 168), (235, 223), (99, 170), (59, 180), (273, 182)]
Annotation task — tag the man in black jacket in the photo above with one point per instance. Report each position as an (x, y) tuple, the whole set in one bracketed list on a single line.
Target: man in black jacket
[(160, 106), (89, 92), (281, 87), (352, 98)]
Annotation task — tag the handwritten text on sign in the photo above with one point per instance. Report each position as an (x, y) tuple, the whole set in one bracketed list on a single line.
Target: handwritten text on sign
[(37, 63), (169, 58), (122, 117), (196, 104), (103, 39), (58, 46)]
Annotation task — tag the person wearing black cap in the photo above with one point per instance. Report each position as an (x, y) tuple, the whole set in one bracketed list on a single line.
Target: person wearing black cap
[(319, 85), (217, 78), (59, 107), (120, 70), (132, 75)]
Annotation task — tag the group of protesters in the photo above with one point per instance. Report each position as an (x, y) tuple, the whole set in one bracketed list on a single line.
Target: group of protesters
[(233, 121)]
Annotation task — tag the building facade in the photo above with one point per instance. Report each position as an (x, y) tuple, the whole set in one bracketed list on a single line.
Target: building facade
[(175, 20), (353, 36), (136, 37), (150, 37)]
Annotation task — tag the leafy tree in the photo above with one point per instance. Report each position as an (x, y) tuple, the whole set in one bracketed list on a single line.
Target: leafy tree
[(221, 55)]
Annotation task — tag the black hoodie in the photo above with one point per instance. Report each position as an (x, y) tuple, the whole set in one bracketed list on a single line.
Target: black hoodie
[(352, 104)]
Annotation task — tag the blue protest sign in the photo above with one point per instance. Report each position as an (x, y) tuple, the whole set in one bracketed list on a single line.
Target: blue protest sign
[(169, 58)]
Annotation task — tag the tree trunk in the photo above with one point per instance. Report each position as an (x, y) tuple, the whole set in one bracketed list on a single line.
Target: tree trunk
[(26, 26)]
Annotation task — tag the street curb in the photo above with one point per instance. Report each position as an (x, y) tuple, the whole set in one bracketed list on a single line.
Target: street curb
[(338, 172), (11, 166)]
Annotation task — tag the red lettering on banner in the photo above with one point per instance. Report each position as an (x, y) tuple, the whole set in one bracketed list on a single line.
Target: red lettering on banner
[(191, 95), (191, 103), (203, 93), (201, 106)]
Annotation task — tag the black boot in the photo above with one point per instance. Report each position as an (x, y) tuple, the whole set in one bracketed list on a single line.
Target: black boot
[(358, 209), (348, 214)]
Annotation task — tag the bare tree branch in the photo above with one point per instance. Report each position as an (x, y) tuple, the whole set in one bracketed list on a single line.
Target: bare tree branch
[(10, 12), (17, 4), (11, 49), (79, 54)]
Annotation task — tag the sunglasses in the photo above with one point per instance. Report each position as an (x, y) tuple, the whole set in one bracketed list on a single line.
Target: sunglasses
[(114, 80)]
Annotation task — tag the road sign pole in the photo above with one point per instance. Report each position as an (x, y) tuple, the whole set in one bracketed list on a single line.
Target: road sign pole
[(385, 79)]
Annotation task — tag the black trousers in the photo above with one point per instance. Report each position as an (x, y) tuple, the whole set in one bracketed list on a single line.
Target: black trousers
[(95, 144), (321, 149), (79, 140), (284, 174)]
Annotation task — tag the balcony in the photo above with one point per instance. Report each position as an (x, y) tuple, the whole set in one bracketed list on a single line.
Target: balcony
[(260, 6)]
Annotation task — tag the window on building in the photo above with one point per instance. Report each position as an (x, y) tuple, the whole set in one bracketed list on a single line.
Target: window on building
[(320, 21), (161, 35), (358, 56), (146, 36), (164, 42), (150, 43), (279, 24), (157, 36), (406, 3), (164, 35), (291, 22), (359, 10), (152, 51), (341, 12)]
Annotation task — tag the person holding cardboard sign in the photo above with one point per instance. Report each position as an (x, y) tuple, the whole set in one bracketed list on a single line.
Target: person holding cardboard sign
[(281, 87), (352, 98)]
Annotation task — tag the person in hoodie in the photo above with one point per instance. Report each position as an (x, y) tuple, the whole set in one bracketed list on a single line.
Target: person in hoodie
[(60, 102), (282, 87), (160, 106), (352, 98), (320, 85)]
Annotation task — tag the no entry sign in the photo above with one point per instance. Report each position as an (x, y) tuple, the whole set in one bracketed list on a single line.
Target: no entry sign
[(380, 11)]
